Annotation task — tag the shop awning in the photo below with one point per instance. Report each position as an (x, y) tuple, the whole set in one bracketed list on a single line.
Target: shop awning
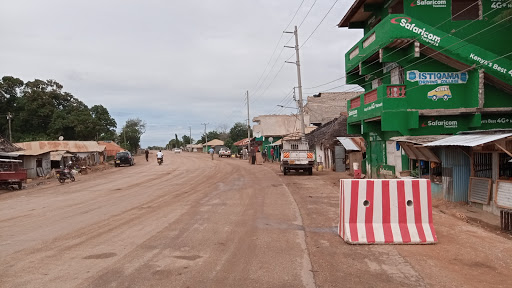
[(414, 146), (469, 140), (277, 143), (348, 144), (419, 139), (57, 155), (11, 154)]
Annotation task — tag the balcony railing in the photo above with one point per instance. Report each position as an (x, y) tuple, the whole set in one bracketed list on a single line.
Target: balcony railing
[(395, 91)]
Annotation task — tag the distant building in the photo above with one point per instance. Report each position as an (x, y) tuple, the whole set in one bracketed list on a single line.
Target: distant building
[(326, 106), (39, 157)]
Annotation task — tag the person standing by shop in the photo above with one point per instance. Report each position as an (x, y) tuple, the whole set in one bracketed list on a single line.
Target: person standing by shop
[(272, 154)]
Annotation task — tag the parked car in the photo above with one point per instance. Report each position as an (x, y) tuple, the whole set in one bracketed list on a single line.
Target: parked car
[(224, 152), (124, 158), (177, 150)]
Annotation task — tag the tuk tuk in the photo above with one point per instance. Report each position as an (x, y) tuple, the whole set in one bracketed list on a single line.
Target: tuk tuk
[(11, 174)]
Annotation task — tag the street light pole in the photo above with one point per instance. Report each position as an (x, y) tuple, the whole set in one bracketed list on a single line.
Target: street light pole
[(9, 117), (297, 63), (248, 125), (205, 135)]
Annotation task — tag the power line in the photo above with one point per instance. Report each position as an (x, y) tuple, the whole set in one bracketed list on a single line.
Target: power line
[(397, 49), (310, 8), (277, 45), (319, 23)]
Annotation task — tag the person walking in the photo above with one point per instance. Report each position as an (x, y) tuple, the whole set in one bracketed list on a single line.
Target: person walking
[(211, 152), (244, 153), (147, 154), (272, 154), (264, 154)]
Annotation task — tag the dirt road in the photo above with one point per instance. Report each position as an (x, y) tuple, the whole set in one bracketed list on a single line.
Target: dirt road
[(194, 222), (191, 222)]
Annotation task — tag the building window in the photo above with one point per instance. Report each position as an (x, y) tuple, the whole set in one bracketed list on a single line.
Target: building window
[(436, 172), (466, 10), (505, 167), (482, 165)]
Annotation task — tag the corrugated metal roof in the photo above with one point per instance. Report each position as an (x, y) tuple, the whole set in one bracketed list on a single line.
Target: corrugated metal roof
[(111, 147), (470, 140), (348, 143), (242, 142), (419, 139), (40, 147), (57, 155)]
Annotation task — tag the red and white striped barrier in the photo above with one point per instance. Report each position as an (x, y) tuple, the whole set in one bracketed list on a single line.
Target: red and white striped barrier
[(386, 211)]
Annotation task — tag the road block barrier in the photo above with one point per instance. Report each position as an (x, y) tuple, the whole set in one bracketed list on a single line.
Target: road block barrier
[(391, 211)]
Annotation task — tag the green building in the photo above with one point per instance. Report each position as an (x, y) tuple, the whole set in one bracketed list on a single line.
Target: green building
[(428, 68)]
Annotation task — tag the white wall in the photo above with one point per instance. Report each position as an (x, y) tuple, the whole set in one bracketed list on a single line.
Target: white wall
[(29, 163), (394, 157)]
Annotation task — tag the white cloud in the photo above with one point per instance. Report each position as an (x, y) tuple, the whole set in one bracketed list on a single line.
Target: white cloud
[(173, 64)]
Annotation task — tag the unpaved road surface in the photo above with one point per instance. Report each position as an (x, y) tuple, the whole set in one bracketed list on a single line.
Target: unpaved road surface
[(194, 222)]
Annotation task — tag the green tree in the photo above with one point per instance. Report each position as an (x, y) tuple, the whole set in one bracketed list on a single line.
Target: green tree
[(238, 132), (211, 135), (73, 121), (131, 133), (187, 140), (10, 88), (36, 107), (106, 125)]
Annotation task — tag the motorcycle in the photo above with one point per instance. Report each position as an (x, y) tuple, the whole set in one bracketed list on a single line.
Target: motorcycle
[(160, 161), (65, 174)]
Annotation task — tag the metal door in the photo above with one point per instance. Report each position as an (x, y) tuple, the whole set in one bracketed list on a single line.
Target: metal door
[(339, 158)]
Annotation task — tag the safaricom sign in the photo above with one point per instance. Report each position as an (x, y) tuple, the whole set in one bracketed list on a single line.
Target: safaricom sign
[(425, 35)]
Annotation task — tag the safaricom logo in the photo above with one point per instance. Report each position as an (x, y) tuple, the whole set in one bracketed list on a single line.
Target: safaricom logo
[(425, 35), (433, 3)]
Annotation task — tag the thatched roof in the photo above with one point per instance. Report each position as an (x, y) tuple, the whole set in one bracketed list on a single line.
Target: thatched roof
[(215, 142), (327, 133), (6, 146)]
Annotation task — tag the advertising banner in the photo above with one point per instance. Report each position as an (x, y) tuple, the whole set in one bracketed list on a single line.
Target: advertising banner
[(436, 78)]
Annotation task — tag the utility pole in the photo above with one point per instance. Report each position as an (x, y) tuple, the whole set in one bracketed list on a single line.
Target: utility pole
[(190, 133), (9, 117), (297, 63), (248, 125), (205, 135)]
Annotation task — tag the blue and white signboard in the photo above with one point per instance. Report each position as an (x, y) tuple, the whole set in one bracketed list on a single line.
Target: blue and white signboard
[(436, 78)]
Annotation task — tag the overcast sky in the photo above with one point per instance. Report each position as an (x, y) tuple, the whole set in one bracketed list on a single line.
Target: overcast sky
[(175, 64)]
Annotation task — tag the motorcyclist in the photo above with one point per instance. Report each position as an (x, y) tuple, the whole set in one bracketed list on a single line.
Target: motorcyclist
[(160, 155)]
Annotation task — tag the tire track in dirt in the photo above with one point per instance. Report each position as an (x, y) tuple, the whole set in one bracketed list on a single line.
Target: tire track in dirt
[(60, 245)]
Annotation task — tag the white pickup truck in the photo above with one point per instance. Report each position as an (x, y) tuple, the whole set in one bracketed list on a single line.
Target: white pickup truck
[(224, 152), (297, 156)]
